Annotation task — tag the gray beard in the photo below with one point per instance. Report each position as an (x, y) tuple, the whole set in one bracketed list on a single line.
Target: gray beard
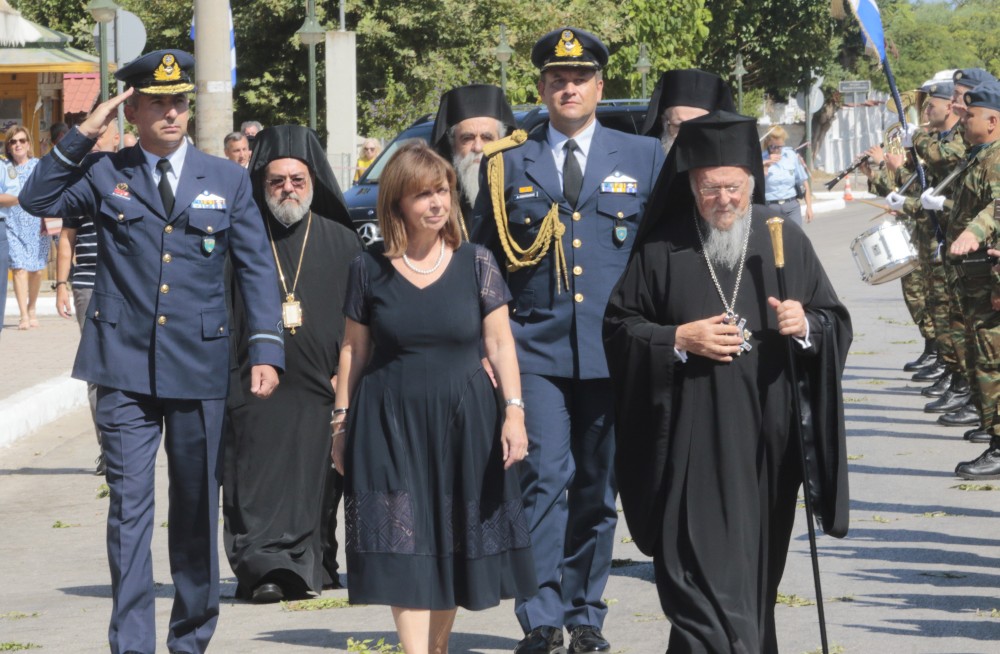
[(289, 213), (666, 141), (467, 169), (725, 248)]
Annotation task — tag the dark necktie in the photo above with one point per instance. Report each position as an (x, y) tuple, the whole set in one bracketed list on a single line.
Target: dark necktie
[(572, 176), (166, 193)]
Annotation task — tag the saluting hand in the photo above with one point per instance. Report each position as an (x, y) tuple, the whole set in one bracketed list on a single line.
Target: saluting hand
[(791, 317), (97, 122), (710, 338), (263, 380)]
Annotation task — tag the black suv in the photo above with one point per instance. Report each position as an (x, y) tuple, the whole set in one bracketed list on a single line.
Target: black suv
[(623, 115)]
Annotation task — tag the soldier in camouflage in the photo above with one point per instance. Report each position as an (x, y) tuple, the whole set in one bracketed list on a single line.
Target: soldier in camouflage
[(973, 222)]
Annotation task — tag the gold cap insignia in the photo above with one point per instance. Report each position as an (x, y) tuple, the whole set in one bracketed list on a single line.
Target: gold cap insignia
[(168, 70), (568, 45)]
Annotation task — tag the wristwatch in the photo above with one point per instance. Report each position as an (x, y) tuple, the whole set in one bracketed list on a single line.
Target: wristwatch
[(56, 285), (515, 401)]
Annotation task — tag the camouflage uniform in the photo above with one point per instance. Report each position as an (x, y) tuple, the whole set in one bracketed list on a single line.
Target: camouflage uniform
[(914, 284), (977, 209), (940, 154)]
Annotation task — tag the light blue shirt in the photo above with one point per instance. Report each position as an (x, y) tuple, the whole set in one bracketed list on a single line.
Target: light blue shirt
[(8, 186), (176, 159), (557, 141), (783, 175)]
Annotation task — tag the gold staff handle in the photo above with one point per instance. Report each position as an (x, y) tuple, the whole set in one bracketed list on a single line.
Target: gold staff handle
[(777, 242)]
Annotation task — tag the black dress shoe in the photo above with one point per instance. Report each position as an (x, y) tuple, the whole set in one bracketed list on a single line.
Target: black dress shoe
[(542, 640), (926, 358), (929, 373), (963, 417), (950, 401), (977, 435), (938, 388), (585, 638), (267, 593), (986, 466)]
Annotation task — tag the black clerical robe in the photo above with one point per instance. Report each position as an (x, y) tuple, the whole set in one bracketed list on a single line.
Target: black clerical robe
[(707, 462), (279, 490)]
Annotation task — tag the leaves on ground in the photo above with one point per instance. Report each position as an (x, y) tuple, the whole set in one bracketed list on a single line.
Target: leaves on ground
[(18, 615), (936, 514), (59, 524), (317, 604), (103, 491), (372, 646), (874, 382), (627, 540), (834, 649), (851, 399), (977, 487), (794, 601), (880, 519), (855, 457), (10, 646)]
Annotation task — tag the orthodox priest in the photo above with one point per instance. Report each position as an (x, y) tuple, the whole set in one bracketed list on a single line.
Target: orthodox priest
[(468, 118), (280, 494), (707, 454), (680, 95)]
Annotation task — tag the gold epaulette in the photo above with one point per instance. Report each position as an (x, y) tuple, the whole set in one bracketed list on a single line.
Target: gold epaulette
[(516, 138), (550, 231)]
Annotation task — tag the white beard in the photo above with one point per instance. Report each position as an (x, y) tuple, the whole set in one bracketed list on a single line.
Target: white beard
[(467, 169), (289, 213), (666, 141), (725, 248)]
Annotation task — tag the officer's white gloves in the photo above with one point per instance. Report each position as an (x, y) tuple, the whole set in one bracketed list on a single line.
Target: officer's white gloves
[(895, 201), (930, 201)]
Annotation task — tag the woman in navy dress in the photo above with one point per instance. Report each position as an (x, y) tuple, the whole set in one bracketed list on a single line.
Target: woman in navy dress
[(29, 242), (433, 509)]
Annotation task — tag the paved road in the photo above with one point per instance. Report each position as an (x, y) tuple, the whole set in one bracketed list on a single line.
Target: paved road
[(917, 574)]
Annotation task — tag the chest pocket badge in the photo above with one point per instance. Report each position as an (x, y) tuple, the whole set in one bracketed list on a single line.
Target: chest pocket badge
[(208, 244)]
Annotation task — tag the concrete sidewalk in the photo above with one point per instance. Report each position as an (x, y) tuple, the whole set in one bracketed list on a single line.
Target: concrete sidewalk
[(918, 573)]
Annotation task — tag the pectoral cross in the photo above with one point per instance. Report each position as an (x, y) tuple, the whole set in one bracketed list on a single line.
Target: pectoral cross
[(745, 334)]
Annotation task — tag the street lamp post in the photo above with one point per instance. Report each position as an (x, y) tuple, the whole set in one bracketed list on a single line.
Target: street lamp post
[(739, 71), (643, 66), (503, 53), (311, 33), (103, 11)]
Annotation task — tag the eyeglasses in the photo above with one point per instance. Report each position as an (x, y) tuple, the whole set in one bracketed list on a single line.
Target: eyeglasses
[(22, 141), (369, 148), (711, 192), (298, 181)]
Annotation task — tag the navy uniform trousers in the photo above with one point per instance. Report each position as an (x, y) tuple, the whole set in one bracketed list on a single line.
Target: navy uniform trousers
[(568, 478), (156, 345)]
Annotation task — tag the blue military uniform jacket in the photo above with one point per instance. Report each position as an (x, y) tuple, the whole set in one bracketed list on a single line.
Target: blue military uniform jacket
[(157, 322), (559, 333)]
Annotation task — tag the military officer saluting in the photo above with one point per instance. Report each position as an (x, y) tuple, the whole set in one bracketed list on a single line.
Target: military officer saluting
[(156, 339), (561, 210)]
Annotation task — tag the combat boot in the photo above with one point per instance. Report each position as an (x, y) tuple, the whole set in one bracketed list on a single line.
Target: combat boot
[(986, 466), (927, 357), (938, 388), (929, 373), (954, 398), (967, 415)]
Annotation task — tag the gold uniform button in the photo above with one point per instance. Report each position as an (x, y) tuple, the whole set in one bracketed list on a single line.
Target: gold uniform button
[(168, 229), (222, 330), (97, 313), (578, 297), (576, 215), (577, 242), (121, 217), (527, 221), (162, 320), (209, 228), (577, 270), (621, 215), (167, 258), (165, 289)]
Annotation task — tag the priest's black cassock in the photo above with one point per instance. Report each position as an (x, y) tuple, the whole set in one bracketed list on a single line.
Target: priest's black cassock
[(280, 493), (707, 460)]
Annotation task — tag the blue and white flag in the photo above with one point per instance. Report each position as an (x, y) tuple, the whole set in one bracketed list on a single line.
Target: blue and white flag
[(232, 44), (868, 15)]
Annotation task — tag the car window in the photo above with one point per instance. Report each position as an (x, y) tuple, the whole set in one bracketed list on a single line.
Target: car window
[(373, 172)]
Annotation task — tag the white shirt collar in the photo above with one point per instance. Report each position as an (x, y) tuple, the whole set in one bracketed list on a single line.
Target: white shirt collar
[(557, 140), (176, 159)]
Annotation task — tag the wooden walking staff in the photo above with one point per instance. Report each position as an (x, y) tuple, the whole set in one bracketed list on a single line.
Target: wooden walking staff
[(777, 243)]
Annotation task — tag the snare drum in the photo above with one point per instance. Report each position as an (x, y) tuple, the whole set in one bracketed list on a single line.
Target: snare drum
[(884, 253)]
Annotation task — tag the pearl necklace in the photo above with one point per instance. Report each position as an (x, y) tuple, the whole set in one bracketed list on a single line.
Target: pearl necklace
[(429, 271)]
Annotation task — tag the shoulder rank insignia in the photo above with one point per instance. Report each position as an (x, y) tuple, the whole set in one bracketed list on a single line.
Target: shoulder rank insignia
[(568, 45), (168, 70)]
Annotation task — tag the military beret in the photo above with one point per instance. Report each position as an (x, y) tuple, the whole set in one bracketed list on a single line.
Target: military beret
[(985, 95), (972, 77), (941, 90), (571, 47), (162, 72)]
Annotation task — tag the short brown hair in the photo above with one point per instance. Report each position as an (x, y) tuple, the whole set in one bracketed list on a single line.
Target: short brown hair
[(13, 131), (413, 167)]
